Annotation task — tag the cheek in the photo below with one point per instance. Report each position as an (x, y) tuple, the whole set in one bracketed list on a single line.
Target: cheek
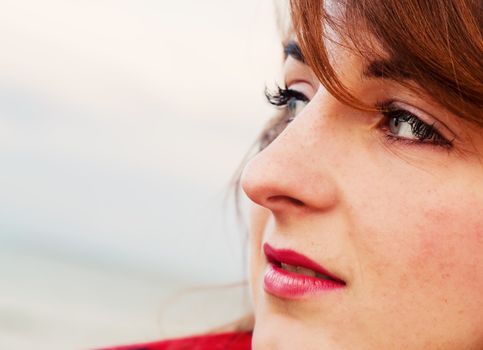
[(447, 241), (419, 259), (424, 248), (451, 245)]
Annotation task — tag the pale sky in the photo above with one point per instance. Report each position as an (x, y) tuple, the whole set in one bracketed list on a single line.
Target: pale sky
[(121, 123)]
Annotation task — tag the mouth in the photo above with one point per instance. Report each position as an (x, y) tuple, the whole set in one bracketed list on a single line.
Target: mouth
[(291, 275)]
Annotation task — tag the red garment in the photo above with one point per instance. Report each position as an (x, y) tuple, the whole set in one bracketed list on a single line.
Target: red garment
[(221, 341)]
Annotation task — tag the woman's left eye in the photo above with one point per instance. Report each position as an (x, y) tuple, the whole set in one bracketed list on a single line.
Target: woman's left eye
[(295, 106), (400, 124), (292, 100)]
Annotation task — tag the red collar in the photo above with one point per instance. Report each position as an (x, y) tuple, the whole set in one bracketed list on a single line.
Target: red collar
[(220, 341)]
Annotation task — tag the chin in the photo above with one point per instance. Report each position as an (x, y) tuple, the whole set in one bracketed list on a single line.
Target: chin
[(278, 332)]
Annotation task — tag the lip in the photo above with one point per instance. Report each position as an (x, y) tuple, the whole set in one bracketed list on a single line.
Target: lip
[(291, 285)]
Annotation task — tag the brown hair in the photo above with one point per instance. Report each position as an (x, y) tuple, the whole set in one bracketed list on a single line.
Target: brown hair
[(438, 44)]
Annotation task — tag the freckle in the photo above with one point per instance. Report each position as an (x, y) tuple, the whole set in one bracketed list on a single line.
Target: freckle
[(445, 276)]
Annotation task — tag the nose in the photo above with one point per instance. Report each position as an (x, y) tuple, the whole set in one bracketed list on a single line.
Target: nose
[(294, 172)]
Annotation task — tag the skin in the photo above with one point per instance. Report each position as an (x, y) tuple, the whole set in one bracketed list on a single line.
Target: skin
[(399, 221)]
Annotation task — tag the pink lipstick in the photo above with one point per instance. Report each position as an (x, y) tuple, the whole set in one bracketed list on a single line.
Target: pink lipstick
[(291, 275)]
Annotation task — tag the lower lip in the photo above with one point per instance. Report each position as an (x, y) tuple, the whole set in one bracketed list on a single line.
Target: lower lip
[(290, 285)]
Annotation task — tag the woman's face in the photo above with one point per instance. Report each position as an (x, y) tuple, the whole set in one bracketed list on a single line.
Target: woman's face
[(389, 203)]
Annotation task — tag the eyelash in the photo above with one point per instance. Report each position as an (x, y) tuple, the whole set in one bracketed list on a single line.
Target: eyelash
[(426, 134), (283, 97)]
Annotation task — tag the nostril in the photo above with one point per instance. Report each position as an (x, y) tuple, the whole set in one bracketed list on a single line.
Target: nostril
[(291, 200)]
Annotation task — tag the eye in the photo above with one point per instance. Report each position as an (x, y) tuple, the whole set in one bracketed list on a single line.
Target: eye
[(291, 100), (295, 105), (401, 124), (290, 103)]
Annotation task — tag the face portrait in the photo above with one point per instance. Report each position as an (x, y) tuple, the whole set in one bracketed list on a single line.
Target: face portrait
[(366, 224)]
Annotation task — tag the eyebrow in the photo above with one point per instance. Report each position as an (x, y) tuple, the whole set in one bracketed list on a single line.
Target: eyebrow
[(389, 69), (292, 49)]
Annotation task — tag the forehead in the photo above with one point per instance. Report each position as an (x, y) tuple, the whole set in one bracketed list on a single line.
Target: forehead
[(284, 20)]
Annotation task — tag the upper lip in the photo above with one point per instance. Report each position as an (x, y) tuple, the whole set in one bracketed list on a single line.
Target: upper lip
[(291, 257)]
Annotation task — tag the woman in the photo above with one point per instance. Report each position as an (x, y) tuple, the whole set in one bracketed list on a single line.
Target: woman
[(367, 224)]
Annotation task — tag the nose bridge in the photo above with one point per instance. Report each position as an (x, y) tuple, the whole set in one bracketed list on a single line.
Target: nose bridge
[(297, 168)]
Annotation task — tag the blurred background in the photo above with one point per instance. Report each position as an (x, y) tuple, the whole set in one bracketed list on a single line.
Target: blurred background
[(121, 125)]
